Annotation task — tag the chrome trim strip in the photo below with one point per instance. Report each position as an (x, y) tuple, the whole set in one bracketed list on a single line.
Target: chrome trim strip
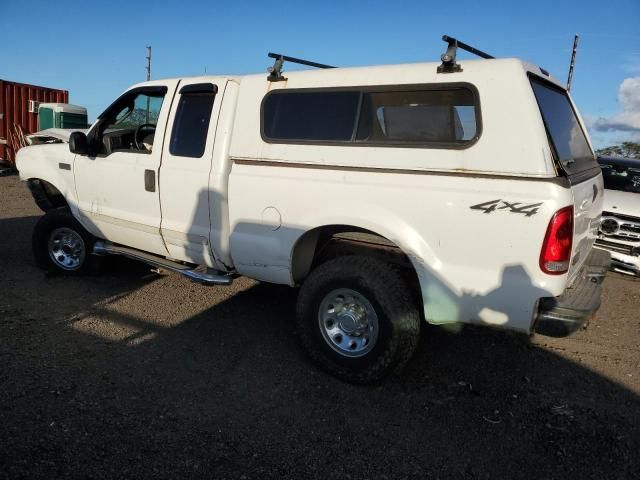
[(406, 171)]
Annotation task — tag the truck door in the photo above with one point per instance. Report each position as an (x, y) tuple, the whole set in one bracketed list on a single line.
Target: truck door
[(117, 183), (185, 197)]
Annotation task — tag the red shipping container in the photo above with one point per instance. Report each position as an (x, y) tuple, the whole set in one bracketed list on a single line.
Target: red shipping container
[(14, 110)]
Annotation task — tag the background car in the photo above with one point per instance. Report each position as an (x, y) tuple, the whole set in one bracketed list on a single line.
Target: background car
[(619, 231)]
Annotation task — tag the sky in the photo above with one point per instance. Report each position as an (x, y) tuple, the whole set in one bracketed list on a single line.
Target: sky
[(97, 49)]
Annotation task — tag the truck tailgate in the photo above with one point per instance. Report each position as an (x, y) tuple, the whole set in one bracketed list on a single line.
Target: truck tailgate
[(588, 198)]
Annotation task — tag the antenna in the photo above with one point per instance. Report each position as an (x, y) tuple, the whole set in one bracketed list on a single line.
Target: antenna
[(573, 61), (148, 63)]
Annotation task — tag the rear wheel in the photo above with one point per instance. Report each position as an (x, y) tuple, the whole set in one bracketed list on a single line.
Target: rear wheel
[(356, 319), (61, 245)]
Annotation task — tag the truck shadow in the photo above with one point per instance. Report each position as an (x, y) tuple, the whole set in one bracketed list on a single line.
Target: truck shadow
[(116, 375)]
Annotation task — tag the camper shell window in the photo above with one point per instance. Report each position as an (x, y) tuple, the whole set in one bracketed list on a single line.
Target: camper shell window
[(443, 115), (568, 141)]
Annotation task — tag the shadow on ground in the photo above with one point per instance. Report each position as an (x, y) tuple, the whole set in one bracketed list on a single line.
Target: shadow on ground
[(128, 375)]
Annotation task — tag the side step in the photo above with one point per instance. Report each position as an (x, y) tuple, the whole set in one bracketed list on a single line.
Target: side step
[(107, 248)]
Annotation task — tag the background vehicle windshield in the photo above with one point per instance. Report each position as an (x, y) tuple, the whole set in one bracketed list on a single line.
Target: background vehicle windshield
[(624, 178)]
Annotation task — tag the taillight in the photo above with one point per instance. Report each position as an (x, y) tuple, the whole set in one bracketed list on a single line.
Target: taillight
[(556, 249)]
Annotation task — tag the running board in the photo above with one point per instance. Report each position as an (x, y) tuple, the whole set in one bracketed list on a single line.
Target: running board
[(107, 248)]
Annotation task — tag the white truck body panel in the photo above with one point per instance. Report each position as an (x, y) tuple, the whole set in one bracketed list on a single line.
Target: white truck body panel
[(52, 163), (588, 198), (427, 216), (219, 180)]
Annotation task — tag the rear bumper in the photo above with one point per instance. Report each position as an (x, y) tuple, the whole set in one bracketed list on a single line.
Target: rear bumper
[(563, 315)]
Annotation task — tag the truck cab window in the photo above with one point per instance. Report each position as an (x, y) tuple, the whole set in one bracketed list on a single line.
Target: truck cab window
[(191, 125), (130, 124)]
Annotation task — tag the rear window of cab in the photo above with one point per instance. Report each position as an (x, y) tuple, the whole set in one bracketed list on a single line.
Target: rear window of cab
[(417, 115), (567, 138)]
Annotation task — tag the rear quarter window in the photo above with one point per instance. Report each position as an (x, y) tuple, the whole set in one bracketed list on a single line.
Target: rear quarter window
[(191, 125)]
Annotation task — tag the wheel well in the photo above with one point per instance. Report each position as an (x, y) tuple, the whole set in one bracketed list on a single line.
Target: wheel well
[(46, 195), (325, 243)]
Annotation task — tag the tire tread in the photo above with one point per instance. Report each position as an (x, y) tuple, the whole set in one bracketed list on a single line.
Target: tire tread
[(54, 218), (394, 299)]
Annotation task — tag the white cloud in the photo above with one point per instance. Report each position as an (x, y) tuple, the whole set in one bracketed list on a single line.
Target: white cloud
[(629, 119)]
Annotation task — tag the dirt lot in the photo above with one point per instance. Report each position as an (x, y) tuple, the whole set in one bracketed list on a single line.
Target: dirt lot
[(134, 374)]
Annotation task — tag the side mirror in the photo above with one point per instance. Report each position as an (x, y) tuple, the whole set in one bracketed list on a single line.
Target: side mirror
[(78, 143)]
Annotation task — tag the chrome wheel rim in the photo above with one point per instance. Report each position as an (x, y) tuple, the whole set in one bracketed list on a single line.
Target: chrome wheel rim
[(348, 322), (66, 248)]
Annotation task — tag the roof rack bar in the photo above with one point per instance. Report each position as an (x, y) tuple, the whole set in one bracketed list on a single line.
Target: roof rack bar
[(299, 60), (448, 58), (468, 48), (275, 72)]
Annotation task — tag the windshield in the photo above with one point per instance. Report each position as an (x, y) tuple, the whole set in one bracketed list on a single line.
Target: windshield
[(138, 110), (565, 133), (621, 177)]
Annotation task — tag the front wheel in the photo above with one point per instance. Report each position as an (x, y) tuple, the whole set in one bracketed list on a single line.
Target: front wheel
[(357, 319), (61, 245)]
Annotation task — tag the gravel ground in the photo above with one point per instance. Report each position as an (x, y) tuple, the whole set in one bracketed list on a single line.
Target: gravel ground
[(135, 374)]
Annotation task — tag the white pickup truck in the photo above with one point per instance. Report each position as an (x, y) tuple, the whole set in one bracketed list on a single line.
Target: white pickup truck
[(447, 193)]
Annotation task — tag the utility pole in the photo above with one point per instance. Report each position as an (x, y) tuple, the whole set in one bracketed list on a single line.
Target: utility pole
[(148, 78), (573, 61), (148, 63)]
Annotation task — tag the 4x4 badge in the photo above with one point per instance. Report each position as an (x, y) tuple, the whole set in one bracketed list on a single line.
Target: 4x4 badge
[(514, 207)]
